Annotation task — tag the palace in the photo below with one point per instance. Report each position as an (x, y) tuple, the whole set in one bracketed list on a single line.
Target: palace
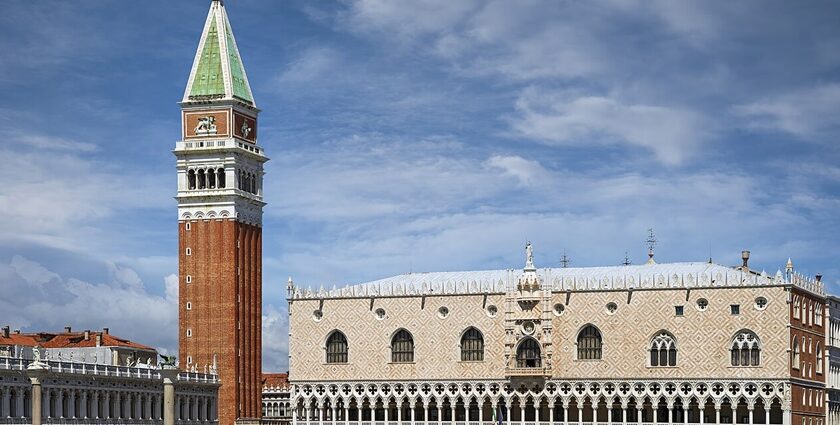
[(654, 343)]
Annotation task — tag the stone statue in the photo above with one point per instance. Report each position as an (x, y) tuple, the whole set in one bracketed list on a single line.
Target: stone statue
[(167, 361), (245, 130), (36, 354), (206, 125), (529, 255)]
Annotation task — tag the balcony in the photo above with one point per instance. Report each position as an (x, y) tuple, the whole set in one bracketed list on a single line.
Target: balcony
[(527, 372)]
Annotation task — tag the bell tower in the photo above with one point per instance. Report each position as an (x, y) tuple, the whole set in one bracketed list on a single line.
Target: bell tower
[(220, 203)]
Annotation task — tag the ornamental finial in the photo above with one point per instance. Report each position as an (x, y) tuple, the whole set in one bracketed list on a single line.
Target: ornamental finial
[(651, 243)]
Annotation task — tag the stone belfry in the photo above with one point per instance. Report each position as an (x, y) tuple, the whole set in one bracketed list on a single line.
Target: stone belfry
[(220, 203)]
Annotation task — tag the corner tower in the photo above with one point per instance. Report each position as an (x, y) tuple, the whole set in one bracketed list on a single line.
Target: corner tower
[(220, 174)]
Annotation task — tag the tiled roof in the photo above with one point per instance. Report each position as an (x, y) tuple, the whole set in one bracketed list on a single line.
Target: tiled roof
[(69, 340), (275, 380)]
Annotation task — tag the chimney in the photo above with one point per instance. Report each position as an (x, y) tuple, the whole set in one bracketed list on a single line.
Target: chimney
[(819, 278), (17, 331), (67, 329), (105, 331), (745, 256), (98, 340), (87, 334), (5, 331)]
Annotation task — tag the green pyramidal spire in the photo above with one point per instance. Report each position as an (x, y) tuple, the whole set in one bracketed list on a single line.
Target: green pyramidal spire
[(217, 71)]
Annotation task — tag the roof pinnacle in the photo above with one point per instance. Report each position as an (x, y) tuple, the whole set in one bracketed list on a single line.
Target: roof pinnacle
[(651, 243)]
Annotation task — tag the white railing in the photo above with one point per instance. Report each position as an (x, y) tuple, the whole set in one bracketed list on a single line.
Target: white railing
[(215, 144), (16, 363)]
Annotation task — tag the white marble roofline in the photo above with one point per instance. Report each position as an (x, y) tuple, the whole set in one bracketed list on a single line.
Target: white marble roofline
[(646, 276)]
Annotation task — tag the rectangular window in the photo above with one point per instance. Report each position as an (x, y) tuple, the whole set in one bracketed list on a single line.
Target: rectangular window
[(735, 309), (189, 251), (679, 310), (187, 226)]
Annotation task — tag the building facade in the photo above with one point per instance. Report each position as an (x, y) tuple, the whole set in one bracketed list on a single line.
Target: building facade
[(652, 343), (220, 174), (75, 392), (276, 399), (832, 358)]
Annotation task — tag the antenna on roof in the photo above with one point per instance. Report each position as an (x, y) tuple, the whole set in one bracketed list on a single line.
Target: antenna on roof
[(626, 261), (651, 243), (565, 260)]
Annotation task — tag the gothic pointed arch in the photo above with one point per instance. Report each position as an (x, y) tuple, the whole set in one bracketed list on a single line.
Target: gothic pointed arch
[(745, 349), (589, 343), (663, 349), (528, 353), (472, 345), (402, 347), (336, 347)]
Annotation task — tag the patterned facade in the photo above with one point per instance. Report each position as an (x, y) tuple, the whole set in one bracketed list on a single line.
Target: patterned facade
[(220, 175), (673, 343)]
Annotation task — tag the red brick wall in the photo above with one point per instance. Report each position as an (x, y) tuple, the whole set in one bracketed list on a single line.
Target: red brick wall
[(807, 332), (226, 298)]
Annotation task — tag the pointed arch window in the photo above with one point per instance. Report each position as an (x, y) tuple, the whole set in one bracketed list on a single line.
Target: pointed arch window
[(337, 348), (589, 344), (663, 350), (818, 352), (402, 347), (528, 354), (746, 349), (795, 360), (472, 346)]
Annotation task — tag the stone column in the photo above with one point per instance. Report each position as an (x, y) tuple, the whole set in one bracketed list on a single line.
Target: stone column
[(413, 408), (19, 403), (346, 412), (508, 406), (170, 376), (639, 410), (294, 414), (623, 415), (565, 413), (717, 414), (594, 412), (399, 411), (580, 413), (439, 411), (551, 412), (750, 408), (36, 371)]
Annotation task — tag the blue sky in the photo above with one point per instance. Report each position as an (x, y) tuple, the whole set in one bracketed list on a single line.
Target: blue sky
[(417, 136)]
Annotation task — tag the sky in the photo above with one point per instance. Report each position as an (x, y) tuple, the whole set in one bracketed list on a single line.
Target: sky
[(416, 136)]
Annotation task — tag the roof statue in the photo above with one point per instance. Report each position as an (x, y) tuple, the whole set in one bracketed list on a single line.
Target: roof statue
[(167, 361), (217, 71), (529, 257)]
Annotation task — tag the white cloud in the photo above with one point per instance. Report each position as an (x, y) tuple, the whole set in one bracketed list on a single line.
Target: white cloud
[(671, 133), (524, 170), (806, 113), (275, 338), (61, 197), (312, 65), (37, 299)]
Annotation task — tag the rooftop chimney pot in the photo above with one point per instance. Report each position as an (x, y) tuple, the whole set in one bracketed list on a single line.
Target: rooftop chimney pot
[(105, 331), (745, 255), (87, 334), (5, 331), (818, 277), (17, 331), (68, 329)]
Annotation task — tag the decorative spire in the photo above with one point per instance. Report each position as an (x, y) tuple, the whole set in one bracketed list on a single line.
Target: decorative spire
[(217, 71), (529, 257), (565, 260), (789, 269), (651, 243)]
